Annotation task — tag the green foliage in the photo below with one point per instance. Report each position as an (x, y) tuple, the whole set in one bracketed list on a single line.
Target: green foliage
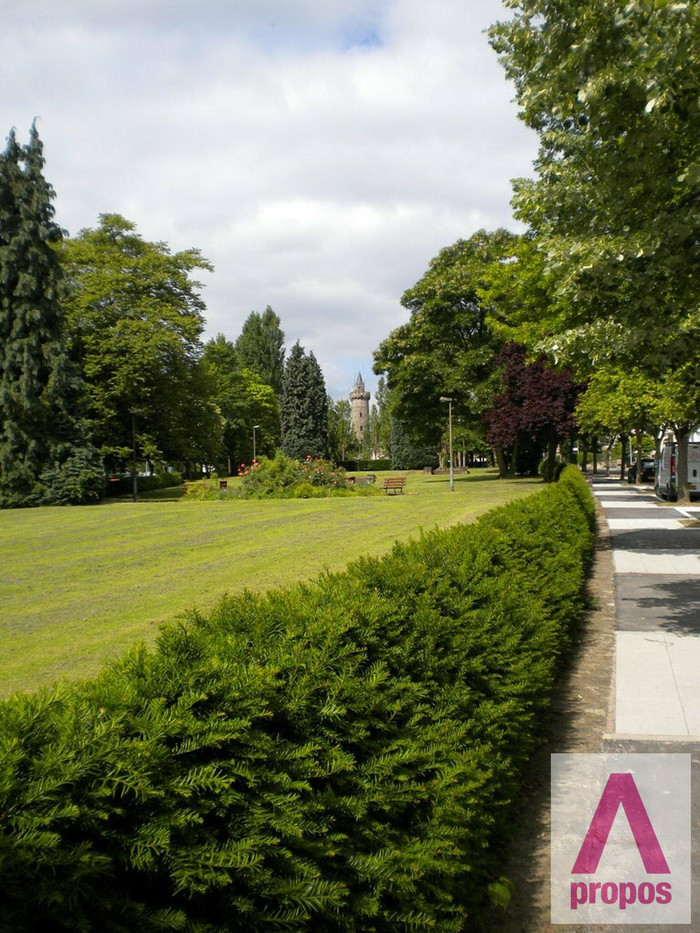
[(123, 485), (342, 442), (501, 892), (619, 401), (285, 478), (447, 347), (380, 420), (409, 452), (134, 318), (367, 466), (245, 401), (45, 451), (304, 406), (207, 490), (612, 90), (338, 756), (260, 348), (77, 480)]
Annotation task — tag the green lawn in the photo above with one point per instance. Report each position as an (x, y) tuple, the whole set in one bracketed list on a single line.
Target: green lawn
[(78, 585)]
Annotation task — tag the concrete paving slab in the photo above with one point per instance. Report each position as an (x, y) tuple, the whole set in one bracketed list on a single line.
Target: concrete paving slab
[(657, 603), (637, 512), (684, 651), (649, 537), (640, 524), (624, 745), (611, 491), (656, 562), (636, 503), (647, 700)]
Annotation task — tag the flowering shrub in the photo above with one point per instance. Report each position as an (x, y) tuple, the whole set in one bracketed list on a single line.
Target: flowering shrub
[(284, 478), (322, 473)]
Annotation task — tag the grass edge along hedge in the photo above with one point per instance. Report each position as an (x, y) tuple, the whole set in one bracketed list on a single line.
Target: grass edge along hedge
[(337, 756)]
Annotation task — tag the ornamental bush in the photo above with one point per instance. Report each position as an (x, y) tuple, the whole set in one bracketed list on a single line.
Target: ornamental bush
[(342, 755), (285, 478)]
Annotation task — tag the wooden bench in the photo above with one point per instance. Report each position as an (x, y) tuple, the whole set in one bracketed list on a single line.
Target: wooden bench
[(394, 484)]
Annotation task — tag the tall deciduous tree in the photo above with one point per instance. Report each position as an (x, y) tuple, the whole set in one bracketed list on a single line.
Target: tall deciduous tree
[(45, 451), (612, 89), (135, 318), (447, 347), (245, 401), (304, 406), (342, 443), (623, 403), (260, 347), (532, 414), (380, 420)]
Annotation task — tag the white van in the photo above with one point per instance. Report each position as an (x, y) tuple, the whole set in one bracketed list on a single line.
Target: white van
[(666, 486)]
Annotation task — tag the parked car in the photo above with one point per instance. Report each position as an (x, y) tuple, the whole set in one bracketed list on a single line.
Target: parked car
[(666, 480), (648, 471)]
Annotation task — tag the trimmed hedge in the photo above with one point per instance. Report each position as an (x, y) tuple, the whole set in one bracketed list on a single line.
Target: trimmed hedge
[(337, 756), (366, 466), (124, 485)]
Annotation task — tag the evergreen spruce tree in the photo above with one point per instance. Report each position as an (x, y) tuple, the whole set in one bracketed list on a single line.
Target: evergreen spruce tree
[(304, 407), (45, 453)]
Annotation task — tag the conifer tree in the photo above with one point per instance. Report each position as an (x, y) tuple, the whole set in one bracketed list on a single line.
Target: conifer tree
[(304, 407), (45, 454)]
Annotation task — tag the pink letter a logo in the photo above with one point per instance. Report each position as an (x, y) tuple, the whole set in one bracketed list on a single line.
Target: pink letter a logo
[(621, 789)]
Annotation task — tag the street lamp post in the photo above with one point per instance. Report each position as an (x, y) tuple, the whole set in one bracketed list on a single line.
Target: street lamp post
[(444, 398), (255, 428), (134, 474)]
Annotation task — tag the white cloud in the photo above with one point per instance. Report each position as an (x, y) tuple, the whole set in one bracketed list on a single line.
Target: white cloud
[(318, 159)]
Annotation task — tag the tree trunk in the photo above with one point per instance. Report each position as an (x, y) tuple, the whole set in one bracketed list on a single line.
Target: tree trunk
[(551, 458), (623, 454), (500, 455), (584, 455), (682, 434), (638, 474)]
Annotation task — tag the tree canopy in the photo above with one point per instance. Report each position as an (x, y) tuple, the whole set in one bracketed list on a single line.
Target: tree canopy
[(260, 347), (447, 347), (612, 90), (134, 319), (533, 412), (244, 401)]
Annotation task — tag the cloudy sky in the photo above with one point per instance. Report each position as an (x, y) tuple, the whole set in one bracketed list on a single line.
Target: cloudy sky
[(318, 152)]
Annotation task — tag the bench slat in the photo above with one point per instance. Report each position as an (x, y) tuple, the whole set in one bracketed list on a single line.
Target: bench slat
[(394, 483)]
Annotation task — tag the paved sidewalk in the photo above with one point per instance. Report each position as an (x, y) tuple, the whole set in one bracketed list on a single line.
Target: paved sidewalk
[(656, 559), (656, 563)]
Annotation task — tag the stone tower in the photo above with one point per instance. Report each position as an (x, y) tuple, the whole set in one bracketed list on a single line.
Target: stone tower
[(359, 410)]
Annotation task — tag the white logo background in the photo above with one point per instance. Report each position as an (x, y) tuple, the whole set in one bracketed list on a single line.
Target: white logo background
[(578, 782)]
